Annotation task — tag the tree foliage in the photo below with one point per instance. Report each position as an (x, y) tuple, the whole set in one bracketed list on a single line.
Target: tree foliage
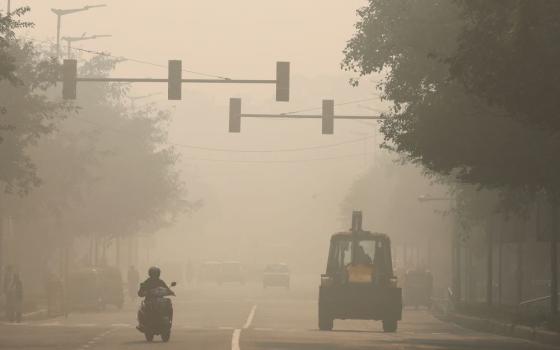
[(509, 55), (436, 121)]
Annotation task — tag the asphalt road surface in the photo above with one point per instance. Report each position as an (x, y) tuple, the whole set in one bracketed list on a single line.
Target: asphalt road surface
[(247, 317)]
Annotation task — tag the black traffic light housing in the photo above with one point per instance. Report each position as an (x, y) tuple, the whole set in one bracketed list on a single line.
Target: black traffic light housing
[(174, 79), (234, 115), (69, 79), (327, 117), (283, 81)]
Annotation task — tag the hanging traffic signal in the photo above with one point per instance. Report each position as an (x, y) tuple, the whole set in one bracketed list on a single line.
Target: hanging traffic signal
[(234, 115), (283, 81), (174, 79), (69, 79), (327, 117)]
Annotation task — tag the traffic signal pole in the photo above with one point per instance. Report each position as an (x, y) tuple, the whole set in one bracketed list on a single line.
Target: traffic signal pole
[(70, 79), (327, 116)]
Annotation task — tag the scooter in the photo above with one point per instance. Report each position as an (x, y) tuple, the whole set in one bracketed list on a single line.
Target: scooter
[(156, 314)]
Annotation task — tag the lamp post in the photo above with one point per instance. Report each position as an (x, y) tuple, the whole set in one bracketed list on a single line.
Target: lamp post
[(63, 12)]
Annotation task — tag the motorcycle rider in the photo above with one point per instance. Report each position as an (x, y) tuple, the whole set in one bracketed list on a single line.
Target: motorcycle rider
[(148, 285)]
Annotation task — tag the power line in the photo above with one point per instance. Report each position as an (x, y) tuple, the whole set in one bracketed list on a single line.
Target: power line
[(231, 150), (337, 104), (280, 161), (100, 53), (148, 63)]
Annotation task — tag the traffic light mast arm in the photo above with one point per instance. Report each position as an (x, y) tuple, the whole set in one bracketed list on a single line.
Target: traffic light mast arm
[(310, 116), (163, 80), (70, 78), (327, 116)]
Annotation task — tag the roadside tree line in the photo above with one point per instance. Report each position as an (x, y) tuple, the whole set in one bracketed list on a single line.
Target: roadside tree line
[(474, 87), (97, 169)]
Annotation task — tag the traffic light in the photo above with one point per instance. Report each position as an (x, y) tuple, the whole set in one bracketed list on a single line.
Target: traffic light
[(174, 82), (283, 81), (69, 79), (328, 117), (234, 115)]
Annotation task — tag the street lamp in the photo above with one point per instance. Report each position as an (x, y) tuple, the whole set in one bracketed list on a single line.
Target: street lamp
[(70, 39), (59, 13)]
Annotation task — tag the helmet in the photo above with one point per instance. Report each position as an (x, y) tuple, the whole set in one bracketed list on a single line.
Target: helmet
[(154, 272)]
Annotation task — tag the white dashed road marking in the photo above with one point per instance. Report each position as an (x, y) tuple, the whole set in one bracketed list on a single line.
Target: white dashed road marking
[(237, 333)]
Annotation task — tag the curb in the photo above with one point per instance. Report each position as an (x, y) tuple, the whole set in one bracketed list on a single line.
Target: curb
[(36, 315), (510, 330)]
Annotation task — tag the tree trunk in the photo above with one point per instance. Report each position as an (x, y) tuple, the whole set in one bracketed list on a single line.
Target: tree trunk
[(489, 270), (500, 242), (118, 253), (519, 268), (1, 245), (554, 260)]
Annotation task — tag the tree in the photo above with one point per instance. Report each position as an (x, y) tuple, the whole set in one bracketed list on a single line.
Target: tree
[(509, 55), (437, 121)]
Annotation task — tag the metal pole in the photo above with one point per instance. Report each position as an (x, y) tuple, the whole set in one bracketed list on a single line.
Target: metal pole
[(489, 270), (520, 265), (500, 242), (69, 49), (58, 18), (9, 7), (554, 260)]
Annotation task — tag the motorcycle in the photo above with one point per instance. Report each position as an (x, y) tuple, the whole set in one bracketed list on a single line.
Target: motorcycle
[(156, 314)]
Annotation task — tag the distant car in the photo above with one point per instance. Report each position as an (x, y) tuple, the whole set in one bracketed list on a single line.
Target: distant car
[(276, 275), (209, 271), (231, 271)]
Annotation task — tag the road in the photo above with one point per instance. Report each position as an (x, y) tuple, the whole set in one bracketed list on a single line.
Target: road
[(248, 318)]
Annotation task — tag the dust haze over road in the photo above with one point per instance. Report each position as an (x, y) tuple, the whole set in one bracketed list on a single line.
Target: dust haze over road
[(389, 180)]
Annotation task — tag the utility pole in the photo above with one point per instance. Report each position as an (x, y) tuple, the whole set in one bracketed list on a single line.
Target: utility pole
[(9, 8), (59, 13), (70, 39)]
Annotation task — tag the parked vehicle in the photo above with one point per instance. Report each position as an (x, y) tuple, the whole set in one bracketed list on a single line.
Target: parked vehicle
[(209, 271), (359, 282), (276, 275), (231, 271), (156, 314), (417, 288)]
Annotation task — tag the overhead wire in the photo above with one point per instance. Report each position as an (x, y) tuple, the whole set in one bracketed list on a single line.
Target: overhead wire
[(336, 104), (233, 150), (215, 149), (124, 58)]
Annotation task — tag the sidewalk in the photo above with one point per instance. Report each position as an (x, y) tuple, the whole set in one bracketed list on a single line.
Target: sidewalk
[(507, 329)]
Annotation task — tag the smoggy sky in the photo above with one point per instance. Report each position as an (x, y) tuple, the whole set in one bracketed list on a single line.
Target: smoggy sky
[(242, 39)]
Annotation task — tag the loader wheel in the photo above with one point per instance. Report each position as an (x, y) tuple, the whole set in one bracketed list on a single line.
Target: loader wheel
[(326, 322), (149, 336)]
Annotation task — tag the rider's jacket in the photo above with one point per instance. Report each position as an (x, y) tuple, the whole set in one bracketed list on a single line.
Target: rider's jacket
[(149, 284)]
